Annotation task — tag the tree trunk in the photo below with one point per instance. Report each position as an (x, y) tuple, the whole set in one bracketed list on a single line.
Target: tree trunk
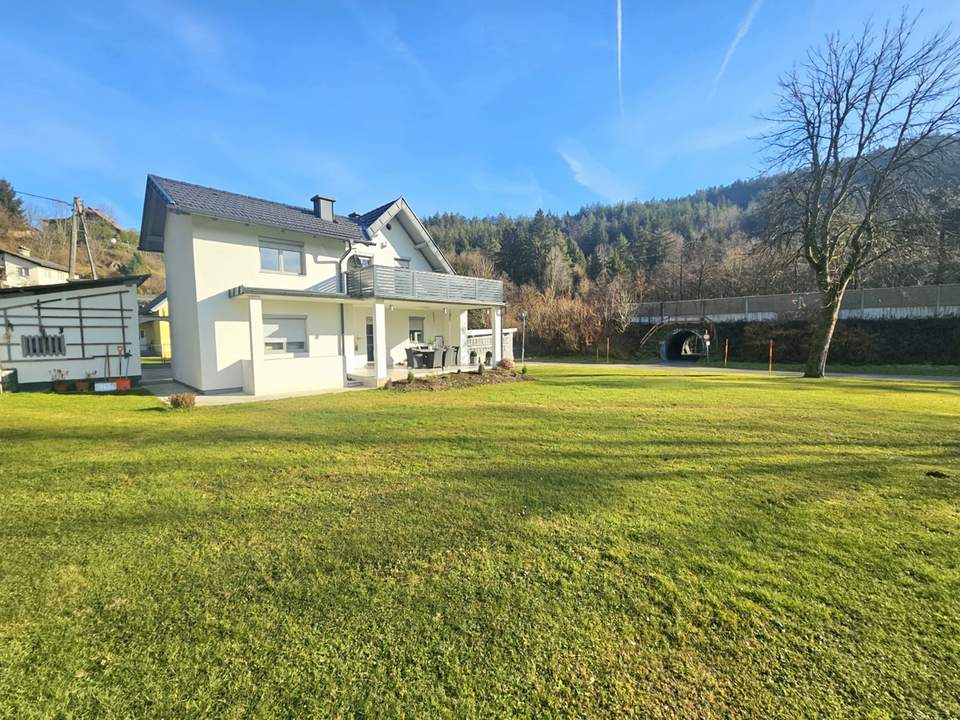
[(823, 334)]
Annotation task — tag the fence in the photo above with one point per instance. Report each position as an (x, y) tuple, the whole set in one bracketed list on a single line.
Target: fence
[(918, 302)]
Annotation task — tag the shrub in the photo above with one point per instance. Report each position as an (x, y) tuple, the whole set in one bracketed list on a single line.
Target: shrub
[(506, 364), (480, 368), (410, 376), (183, 400), (523, 370)]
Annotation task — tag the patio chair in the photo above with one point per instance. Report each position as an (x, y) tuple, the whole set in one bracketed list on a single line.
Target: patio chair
[(412, 359), (437, 358)]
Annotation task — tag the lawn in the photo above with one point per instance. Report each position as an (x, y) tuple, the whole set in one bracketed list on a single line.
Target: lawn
[(600, 542)]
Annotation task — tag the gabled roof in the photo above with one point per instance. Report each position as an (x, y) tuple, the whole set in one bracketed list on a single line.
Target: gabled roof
[(35, 260), (376, 219), (150, 304), (163, 193)]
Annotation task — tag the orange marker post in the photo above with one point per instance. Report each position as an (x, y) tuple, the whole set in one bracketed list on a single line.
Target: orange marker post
[(726, 350), (770, 361)]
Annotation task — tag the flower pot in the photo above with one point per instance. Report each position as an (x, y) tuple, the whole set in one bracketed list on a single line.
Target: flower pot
[(123, 383), (61, 386), (82, 386)]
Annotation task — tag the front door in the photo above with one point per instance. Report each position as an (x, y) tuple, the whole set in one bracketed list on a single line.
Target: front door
[(369, 340)]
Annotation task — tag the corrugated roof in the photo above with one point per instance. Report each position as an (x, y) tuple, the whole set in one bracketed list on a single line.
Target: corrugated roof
[(243, 208)]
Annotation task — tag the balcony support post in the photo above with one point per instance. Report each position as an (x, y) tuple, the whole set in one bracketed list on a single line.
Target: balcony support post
[(380, 342), (496, 322)]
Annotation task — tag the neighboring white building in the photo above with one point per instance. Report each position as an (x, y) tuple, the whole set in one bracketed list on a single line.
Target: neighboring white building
[(84, 329), (275, 298), (21, 269)]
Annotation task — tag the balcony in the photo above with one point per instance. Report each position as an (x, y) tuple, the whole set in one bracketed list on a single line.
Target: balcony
[(402, 284)]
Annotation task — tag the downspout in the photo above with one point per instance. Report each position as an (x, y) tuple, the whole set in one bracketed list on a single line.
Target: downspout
[(343, 289)]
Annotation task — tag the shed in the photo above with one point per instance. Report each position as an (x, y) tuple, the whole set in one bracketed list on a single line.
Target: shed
[(78, 330)]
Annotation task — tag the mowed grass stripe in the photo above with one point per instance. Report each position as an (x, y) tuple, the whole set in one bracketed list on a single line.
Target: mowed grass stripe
[(598, 542)]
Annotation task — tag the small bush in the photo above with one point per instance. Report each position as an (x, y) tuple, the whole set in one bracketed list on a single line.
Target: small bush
[(480, 368), (410, 376), (183, 400), (506, 364), (523, 370)]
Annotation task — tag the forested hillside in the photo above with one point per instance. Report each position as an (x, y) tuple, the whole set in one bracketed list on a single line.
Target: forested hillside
[(709, 244)]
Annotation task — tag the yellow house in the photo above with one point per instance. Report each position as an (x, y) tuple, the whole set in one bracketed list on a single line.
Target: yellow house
[(155, 327)]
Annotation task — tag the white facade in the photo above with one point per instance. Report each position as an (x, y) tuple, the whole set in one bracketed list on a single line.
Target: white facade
[(89, 330), (17, 270), (237, 325)]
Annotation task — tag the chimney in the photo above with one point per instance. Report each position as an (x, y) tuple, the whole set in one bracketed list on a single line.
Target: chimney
[(323, 207), (23, 250)]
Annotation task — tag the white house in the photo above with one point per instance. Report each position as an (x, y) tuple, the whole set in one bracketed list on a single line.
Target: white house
[(19, 269), (275, 298), (80, 330)]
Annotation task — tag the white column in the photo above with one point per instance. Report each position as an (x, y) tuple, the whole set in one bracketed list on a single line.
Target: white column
[(380, 341), (496, 320), (349, 340), (256, 376)]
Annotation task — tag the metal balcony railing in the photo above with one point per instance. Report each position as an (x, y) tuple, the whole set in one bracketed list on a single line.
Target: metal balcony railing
[(403, 284)]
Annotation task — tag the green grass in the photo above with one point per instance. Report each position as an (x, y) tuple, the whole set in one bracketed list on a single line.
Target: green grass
[(914, 369), (601, 542)]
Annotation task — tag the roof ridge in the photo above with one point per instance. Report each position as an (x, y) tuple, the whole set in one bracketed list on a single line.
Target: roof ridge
[(302, 208)]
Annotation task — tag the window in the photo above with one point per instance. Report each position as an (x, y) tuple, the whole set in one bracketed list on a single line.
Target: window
[(359, 261), (283, 334), (40, 345), (23, 271), (416, 329), (403, 263), (281, 257)]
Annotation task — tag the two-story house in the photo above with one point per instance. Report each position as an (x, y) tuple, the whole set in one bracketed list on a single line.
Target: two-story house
[(276, 298), (22, 269)]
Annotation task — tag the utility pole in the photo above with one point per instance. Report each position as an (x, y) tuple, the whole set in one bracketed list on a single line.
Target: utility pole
[(74, 232)]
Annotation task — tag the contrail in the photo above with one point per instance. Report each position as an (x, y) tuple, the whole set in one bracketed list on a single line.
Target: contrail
[(620, 55), (742, 29)]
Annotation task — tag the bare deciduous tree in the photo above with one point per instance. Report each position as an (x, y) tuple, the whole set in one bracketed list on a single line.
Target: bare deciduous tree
[(858, 126)]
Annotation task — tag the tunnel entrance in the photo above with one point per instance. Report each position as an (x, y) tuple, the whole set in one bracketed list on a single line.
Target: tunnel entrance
[(683, 346)]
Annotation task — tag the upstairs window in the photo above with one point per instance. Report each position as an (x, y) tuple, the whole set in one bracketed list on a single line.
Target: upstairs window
[(284, 334), (281, 257), (403, 263), (23, 271)]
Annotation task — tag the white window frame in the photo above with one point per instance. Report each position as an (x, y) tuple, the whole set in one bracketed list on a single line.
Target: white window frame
[(281, 246), (285, 351), (422, 331), (23, 271)]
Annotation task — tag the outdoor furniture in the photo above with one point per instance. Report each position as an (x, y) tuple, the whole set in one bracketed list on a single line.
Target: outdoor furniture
[(437, 359), (411, 359)]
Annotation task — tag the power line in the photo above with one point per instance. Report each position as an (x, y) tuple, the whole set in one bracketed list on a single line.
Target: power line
[(43, 197)]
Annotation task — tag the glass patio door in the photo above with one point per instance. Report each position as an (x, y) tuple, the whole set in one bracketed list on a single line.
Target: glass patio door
[(369, 339)]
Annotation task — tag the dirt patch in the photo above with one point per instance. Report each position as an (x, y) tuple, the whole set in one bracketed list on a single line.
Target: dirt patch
[(433, 383)]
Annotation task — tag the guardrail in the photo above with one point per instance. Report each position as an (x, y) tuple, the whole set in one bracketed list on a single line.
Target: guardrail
[(401, 283), (914, 302)]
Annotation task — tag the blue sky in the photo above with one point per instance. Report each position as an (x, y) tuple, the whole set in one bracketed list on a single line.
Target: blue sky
[(471, 107)]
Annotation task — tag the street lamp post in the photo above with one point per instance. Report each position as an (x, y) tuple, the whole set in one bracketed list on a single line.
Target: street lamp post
[(523, 339)]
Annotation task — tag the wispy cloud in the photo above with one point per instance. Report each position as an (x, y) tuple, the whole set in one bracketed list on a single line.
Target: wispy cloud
[(591, 173), (742, 29), (204, 45), (620, 55)]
